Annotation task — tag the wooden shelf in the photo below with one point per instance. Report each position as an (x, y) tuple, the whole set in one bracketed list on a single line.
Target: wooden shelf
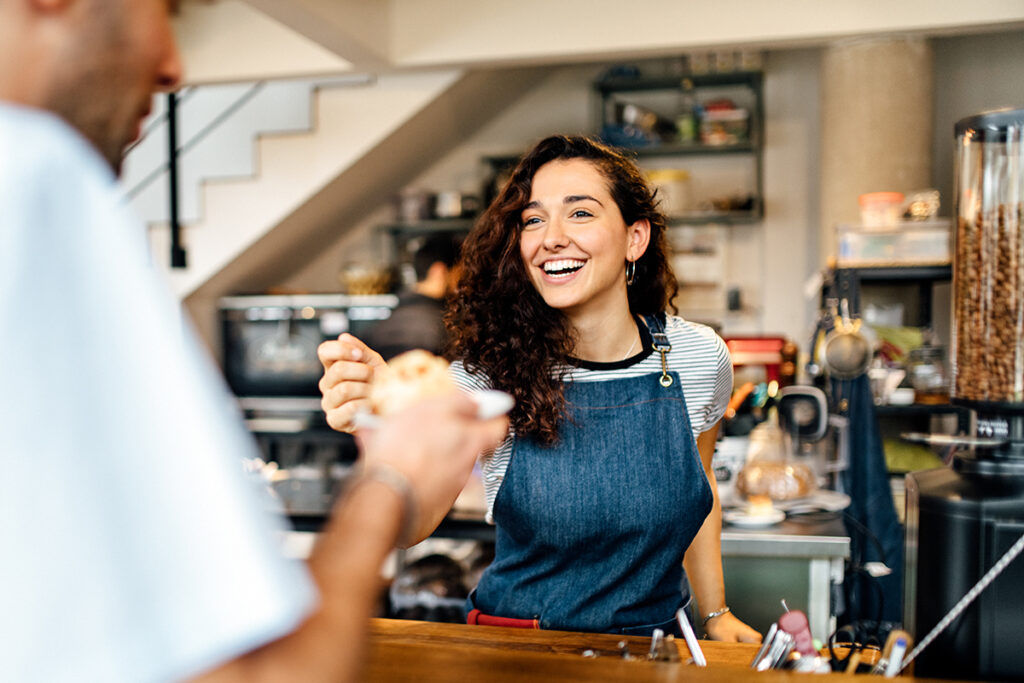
[(750, 79), (692, 149), (920, 409), (894, 273)]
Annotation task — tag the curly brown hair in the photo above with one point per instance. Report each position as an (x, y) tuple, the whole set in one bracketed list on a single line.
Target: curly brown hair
[(499, 325)]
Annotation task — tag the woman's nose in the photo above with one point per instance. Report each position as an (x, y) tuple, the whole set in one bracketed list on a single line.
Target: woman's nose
[(555, 235)]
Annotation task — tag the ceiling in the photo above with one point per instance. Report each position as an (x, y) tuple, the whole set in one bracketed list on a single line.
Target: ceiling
[(231, 40)]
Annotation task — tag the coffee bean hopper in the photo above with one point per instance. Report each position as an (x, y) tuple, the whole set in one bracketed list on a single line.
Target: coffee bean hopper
[(965, 524)]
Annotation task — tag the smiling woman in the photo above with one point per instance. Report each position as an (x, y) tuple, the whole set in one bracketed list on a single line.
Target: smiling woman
[(602, 490), (571, 205), (602, 484)]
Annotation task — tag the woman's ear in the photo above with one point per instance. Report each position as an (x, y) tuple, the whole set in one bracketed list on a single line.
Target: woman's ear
[(639, 238)]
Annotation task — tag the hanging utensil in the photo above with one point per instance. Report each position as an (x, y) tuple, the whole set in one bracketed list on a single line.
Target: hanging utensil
[(847, 350)]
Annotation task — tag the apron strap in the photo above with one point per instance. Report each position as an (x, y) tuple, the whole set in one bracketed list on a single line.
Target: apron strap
[(661, 344)]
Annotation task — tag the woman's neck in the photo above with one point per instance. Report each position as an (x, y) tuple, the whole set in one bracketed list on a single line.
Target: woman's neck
[(605, 338)]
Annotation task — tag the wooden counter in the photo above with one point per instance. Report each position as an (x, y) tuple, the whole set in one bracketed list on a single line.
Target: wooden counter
[(422, 651), (417, 650)]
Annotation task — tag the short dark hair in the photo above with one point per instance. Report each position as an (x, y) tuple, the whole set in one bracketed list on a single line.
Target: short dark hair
[(437, 248)]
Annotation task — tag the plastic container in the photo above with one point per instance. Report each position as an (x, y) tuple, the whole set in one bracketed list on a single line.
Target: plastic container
[(910, 243), (725, 126), (880, 209), (673, 185), (988, 335)]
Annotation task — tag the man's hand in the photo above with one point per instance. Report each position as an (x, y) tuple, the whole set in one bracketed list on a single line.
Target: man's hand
[(434, 444)]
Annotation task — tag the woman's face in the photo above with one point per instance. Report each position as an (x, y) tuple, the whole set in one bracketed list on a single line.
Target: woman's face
[(574, 241)]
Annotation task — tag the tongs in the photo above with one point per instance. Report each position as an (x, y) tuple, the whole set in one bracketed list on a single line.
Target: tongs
[(775, 649)]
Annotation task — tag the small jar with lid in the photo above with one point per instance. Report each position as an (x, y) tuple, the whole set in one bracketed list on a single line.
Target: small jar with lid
[(926, 370)]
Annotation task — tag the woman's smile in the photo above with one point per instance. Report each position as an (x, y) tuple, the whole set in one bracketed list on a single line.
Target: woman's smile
[(562, 270)]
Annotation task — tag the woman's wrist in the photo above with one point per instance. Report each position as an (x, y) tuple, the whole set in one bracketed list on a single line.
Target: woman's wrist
[(716, 613)]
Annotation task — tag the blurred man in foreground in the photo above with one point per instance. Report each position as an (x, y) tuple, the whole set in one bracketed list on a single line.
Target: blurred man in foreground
[(134, 547)]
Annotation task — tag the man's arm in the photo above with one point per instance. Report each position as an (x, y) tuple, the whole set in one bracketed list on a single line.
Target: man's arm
[(365, 526)]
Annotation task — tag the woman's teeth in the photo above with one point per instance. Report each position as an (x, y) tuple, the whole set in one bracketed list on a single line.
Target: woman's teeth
[(562, 267)]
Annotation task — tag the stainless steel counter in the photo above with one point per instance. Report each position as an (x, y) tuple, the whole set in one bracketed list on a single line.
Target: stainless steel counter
[(800, 560), (790, 538)]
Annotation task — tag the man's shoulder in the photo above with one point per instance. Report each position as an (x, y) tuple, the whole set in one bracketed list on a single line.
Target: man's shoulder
[(38, 145)]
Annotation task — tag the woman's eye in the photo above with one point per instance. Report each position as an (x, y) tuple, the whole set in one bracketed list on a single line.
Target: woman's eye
[(530, 222), (581, 213)]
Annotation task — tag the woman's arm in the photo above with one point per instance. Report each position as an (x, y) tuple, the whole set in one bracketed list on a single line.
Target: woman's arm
[(703, 561)]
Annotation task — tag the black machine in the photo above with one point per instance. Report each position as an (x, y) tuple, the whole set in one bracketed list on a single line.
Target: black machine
[(961, 522), (269, 342), (269, 346)]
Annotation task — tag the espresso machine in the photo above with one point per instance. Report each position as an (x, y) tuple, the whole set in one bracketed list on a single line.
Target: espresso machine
[(965, 523)]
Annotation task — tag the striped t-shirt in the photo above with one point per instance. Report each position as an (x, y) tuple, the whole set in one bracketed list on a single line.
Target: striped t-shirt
[(698, 356)]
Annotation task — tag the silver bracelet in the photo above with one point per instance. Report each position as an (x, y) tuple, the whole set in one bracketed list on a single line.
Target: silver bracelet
[(399, 483), (716, 613)]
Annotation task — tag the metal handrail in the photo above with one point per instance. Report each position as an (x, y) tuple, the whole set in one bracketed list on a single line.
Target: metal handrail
[(214, 123), (183, 96)]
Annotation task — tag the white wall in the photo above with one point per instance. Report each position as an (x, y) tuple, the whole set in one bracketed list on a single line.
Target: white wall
[(769, 262), (791, 175), (229, 41), (432, 32), (560, 104)]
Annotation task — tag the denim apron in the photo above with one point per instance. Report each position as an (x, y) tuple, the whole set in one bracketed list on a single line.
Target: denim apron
[(591, 531)]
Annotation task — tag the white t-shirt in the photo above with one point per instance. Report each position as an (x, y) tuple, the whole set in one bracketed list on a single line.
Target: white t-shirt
[(134, 547), (698, 355)]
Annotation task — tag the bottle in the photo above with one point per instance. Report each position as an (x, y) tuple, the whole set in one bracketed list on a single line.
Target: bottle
[(927, 372), (686, 119)]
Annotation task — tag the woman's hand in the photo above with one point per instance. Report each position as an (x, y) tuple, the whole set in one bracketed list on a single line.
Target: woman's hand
[(730, 629), (349, 365)]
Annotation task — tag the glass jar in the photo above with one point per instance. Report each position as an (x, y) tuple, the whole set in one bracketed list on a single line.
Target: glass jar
[(926, 370), (988, 272)]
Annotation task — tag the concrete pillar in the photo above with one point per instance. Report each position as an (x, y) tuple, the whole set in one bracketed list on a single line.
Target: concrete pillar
[(876, 125)]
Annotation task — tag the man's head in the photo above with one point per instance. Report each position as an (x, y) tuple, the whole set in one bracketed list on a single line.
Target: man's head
[(95, 63), (442, 249), (434, 263)]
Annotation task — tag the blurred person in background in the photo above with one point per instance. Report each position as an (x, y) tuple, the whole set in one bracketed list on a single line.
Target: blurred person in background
[(135, 548), (418, 320)]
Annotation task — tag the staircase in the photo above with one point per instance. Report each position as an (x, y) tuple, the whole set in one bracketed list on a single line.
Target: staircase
[(269, 201), (278, 145)]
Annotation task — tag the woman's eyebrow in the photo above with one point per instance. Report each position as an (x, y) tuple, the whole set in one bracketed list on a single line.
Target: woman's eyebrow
[(573, 198)]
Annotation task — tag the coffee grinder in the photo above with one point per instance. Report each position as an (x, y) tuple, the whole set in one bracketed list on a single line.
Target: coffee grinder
[(962, 520)]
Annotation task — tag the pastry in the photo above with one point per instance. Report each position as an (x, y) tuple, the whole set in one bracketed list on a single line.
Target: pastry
[(409, 377), (777, 480)]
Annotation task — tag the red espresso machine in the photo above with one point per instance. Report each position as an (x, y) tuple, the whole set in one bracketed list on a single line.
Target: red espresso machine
[(964, 520)]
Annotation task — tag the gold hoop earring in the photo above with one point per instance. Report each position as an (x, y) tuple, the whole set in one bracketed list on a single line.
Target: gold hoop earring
[(630, 272)]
